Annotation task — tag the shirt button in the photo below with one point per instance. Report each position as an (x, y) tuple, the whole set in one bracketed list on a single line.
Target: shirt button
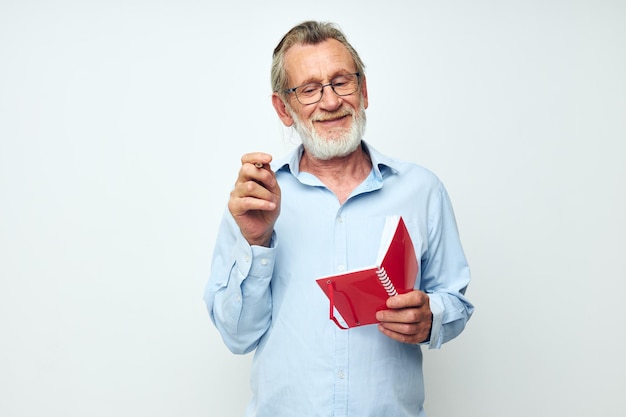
[(341, 375), (263, 261), (341, 267), (339, 219)]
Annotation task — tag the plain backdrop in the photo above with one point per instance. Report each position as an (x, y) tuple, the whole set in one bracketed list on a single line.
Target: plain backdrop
[(121, 128)]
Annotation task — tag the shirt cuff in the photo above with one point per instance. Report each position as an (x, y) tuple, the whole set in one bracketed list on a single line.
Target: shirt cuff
[(257, 261), (436, 334)]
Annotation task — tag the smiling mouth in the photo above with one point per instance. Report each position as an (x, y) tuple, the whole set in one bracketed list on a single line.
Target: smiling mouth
[(332, 117)]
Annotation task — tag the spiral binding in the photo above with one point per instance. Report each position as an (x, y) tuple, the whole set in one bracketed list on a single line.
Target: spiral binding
[(387, 284)]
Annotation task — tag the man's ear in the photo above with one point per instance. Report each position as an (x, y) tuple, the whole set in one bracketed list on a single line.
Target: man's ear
[(364, 92), (281, 110)]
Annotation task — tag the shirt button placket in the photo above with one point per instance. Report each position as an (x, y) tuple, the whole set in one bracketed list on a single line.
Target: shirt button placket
[(341, 336)]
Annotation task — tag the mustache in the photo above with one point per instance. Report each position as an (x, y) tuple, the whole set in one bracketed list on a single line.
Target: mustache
[(338, 114)]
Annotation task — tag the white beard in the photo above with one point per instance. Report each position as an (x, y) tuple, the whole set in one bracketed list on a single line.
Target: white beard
[(336, 144)]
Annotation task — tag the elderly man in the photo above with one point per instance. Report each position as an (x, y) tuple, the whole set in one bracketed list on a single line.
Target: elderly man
[(321, 211)]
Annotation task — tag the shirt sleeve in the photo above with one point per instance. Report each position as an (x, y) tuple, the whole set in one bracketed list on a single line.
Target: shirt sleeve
[(238, 294), (445, 273)]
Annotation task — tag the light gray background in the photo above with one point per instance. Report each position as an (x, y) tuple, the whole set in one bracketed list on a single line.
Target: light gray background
[(121, 128)]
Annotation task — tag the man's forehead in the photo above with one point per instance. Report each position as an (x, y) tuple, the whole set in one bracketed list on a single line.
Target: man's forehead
[(304, 62)]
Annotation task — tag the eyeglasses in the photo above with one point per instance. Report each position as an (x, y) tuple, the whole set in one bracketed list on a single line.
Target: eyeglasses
[(311, 93)]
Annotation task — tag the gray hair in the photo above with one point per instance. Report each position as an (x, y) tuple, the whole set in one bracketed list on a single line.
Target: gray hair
[(307, 33)]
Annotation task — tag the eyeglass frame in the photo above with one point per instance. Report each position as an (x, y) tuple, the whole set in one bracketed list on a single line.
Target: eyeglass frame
[(332, 87)]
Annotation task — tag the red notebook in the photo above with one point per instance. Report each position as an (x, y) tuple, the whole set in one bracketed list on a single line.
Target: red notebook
[(357, 295)]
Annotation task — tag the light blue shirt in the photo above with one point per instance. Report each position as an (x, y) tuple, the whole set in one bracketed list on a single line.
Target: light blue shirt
[(267, 298)]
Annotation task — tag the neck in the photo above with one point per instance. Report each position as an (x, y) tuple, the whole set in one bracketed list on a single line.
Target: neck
[(341, 175)]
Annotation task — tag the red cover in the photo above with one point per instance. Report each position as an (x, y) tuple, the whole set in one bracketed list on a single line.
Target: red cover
[(358, 295)]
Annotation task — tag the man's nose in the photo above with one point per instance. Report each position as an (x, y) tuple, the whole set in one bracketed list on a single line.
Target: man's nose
[(330, 100)]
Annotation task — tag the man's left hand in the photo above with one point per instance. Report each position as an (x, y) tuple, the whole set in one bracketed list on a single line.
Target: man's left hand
[(408, 318)]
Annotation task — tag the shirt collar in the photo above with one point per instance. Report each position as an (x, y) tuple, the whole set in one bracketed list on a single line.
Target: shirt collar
[(383, 166)]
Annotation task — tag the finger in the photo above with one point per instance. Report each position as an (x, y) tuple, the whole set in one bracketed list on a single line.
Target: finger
[(406, 315), (242, 206), (413, 323), (412, 338), (245, 205), (256, 158), (411, 299), (264, 177), (252, 196)]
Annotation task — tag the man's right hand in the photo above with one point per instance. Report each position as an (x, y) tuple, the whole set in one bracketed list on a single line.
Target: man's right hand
[(255, 200)]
